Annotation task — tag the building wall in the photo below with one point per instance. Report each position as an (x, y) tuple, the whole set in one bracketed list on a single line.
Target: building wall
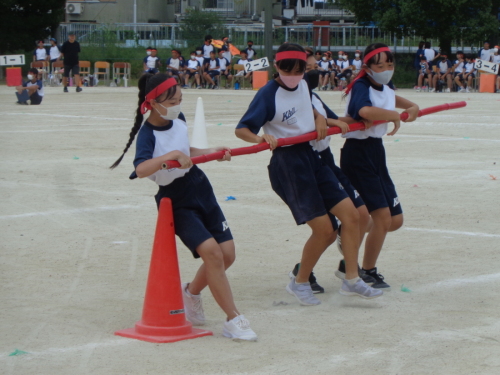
[(120, 11)]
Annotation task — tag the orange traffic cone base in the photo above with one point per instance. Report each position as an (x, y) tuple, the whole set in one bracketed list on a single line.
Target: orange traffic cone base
[(163, 334)]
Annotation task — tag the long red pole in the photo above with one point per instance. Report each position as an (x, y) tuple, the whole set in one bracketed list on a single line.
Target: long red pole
[(169, 164)]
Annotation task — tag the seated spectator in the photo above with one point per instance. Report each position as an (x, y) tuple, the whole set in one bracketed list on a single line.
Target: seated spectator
[(344, 71), (151, 62), (175, 66), (54, 51), (244, 59), (193, 69), (318, 55), (356, 63), (443, 74), (251, 53), (324, 68), (40, 53), (224, 66), (31, 90), (211, 71), (458, 67), (468, 74), (423, 74)]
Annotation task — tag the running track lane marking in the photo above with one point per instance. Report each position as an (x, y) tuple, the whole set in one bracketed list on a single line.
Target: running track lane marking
[(457, 232)]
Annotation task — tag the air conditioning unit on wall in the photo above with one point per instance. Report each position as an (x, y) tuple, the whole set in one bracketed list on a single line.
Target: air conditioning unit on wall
[(74, 8)]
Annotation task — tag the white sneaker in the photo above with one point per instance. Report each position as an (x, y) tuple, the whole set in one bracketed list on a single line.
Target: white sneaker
[(433, 90), (417, 89), (359, 289), (239, 329), (448, 90), (193, 306), (302, 292), (467, 90), (462, 89)]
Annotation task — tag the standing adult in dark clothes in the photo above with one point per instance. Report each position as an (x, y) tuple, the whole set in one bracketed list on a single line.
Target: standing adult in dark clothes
[(69, 51)]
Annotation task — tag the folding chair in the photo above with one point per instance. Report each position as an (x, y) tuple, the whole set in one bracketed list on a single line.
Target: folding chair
[(239, 78), (84, 69), (121, 70), (97, 70), (56, 73), (43, 69)]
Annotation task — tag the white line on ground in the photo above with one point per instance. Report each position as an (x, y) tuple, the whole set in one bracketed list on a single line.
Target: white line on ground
[(72, 211), (457, 232), (62, 130)]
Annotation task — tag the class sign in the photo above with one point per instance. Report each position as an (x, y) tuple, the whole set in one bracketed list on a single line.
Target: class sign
[(252, 66), (486, 66), (7, 60)]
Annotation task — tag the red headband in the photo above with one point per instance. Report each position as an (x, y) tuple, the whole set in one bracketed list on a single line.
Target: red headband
[(156, 92), (362, 73), (291, 55)]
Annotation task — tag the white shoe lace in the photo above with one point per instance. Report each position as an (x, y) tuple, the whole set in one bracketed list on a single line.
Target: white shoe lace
[(243, 324)]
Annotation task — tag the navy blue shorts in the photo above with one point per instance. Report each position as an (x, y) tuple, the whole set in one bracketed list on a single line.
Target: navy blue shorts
[(363, 162), (197, 215), (213, 73), (324, 73), (308, 187), (327, 158)]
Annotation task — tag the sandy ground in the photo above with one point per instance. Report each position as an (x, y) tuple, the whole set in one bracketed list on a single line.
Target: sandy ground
[(76, 241)]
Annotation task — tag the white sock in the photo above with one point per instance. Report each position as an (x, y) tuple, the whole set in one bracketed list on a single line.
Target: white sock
[(352, 281)]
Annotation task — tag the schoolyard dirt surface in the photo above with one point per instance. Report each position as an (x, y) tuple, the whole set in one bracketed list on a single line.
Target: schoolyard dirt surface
[(76, 240)]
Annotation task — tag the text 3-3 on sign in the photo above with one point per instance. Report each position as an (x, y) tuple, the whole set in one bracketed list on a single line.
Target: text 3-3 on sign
[(262, 63)]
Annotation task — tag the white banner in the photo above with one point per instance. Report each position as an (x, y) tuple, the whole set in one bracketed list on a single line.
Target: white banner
[(261, 63), (6, 60), (486, 66)]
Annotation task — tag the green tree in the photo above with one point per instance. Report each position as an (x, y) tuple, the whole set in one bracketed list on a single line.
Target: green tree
[(24, 21), (198, 23), (438, 19)]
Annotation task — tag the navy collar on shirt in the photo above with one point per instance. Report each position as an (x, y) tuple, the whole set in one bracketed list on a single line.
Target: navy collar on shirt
[(159, 128)]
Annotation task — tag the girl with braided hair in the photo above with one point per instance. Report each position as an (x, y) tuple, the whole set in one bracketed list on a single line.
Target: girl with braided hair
[(198, 219)]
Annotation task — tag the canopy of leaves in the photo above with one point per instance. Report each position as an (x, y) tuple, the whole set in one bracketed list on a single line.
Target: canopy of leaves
[(25, 21), (446, 20), (197, 23)]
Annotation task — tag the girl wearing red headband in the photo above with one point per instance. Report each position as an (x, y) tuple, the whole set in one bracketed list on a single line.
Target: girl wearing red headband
[(283, 108), (371, 96), (199, 221)]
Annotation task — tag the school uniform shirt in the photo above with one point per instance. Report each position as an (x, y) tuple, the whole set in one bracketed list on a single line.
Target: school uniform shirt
[(495, 59), (54, 53), (222, 63), (193, 64), (175, 63), (201, 60), (469, 67), (342, 64), (444, 66), (250, 52), (243, 62), (484, 54), (40, 53), (325, 65), (279, 111), (322, 109), (429, 55), (226, 54), (365, 94), (207, 50), (357, 64), (153, 141), (40, 86), (460, 67), (151, 62), (70, 51), (212, 63)]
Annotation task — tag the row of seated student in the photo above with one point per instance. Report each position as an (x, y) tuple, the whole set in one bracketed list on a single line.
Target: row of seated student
[(336, 73), (443, 73), (206, 72)]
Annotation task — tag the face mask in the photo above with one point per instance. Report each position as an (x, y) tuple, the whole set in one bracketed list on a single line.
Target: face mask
[(250, 45), (291, 81), (198, 52), (193, 57), (148, 53), (172, 112), (340, 57), (324, 58), (357, 54), (344, 57), (313, 76), (30, 77), (382, 78)]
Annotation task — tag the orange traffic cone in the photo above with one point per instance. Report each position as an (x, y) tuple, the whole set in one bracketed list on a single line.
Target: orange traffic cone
[(163, 318)]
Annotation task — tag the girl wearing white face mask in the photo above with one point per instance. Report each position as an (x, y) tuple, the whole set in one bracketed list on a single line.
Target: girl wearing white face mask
[(371, 97), (199, 221), (283, 108)]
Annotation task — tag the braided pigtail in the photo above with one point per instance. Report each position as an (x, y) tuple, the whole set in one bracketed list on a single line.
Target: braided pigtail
[(138, 117)]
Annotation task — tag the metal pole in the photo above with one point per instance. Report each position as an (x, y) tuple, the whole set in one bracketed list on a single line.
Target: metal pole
[(135, 16), (268, 32)]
